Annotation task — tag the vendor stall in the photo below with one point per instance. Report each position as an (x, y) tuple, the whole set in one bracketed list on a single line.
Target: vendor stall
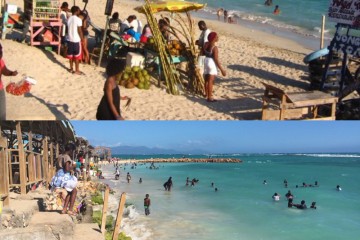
[(181, 47), (45, 23)]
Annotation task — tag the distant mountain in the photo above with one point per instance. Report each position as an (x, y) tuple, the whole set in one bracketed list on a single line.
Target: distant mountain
[(142, 150)]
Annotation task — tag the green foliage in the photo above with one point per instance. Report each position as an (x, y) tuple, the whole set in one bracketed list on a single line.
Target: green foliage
[(122, 236), (97, 198), (97, 215)]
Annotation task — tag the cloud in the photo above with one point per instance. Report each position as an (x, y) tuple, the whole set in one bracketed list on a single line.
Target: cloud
[(116, 144)]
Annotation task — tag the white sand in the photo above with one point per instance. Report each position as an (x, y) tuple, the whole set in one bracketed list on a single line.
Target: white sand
[(258, 57)]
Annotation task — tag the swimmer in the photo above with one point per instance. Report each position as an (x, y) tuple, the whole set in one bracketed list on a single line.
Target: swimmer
[(276, 197), (290, 204), (289, 195), (212, 184), (313, 205), (338, 188), (216, 189), (140, 180), (276, 10), (264, 182), (302, 205)]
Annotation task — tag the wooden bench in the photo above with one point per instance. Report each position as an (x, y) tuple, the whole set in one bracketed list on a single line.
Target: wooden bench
[(302, 105)]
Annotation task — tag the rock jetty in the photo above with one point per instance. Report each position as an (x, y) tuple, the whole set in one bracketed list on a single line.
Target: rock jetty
[(187, 160)]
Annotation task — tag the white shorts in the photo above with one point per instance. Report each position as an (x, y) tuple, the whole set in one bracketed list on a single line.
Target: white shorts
[(210, 66)]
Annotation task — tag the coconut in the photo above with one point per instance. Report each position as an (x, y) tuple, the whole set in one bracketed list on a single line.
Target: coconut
[(135, 81), (141, 85), (125, 76), (130, 85)]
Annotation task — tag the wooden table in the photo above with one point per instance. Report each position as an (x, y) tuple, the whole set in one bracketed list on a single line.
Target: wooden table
[(302, 105)]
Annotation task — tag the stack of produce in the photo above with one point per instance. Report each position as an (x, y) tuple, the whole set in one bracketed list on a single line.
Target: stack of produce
[(134, 77), (176, 48), (18, 89)]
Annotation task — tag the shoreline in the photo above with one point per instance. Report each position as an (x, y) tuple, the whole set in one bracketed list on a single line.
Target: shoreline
[(250, 57)]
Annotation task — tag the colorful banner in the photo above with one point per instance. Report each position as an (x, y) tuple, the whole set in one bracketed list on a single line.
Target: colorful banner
[(345, 11)]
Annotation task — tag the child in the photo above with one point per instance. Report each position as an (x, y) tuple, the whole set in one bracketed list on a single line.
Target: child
[(147, 204)]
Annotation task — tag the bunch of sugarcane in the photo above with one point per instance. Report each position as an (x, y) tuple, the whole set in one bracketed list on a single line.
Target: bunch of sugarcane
[(186, 29), (172, 78)]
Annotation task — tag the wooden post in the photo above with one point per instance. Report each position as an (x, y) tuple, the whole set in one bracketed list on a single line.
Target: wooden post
[(322, 32), (38, 167), (46, 161), (51, 166), (30, 158), (104, 39), (119, 216), (104, 211), (22, 163), (4, 172)]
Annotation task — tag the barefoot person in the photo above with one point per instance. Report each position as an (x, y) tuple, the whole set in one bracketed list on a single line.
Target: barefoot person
[(6, 72), (219, 12), (63, 178), (84, 42), (109, 106), (211, 53), (75, 36)]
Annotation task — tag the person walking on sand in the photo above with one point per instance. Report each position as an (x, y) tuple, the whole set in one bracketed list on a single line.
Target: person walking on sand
[(75, 37), (109, 106), (6, 72), (147, 204), (211, 64)]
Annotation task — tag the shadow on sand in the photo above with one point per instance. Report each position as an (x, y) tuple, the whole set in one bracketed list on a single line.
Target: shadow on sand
[(52, 107)]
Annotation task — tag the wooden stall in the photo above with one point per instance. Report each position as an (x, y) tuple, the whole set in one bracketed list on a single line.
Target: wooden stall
[(28, 150), (45, 22)]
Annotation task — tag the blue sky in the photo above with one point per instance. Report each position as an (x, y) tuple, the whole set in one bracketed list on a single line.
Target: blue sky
[(226, 136)]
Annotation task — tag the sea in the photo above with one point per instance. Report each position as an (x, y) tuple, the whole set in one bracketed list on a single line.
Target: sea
[(243, 207), (299, 20)]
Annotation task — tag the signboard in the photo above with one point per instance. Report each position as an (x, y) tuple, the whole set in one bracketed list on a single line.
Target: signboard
[(345, 11), (109, 7), (347, 44)]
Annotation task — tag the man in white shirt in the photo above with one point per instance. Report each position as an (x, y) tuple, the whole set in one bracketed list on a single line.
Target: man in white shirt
[(201, 42), (136, 24), (126, 24), (75, 37)]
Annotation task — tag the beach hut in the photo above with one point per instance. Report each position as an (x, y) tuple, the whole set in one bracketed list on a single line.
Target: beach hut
[(27, 153)]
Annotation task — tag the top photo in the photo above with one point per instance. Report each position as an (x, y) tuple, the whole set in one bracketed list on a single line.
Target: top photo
[(180, 60)]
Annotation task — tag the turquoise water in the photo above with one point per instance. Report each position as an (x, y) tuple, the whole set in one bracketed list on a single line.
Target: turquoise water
[(243, 207), (303, 16)]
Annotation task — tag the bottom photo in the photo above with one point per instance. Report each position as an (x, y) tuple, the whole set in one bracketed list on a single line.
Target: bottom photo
[(179, 180)]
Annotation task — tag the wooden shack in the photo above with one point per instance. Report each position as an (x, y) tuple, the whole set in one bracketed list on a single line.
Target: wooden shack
[(28, 150)]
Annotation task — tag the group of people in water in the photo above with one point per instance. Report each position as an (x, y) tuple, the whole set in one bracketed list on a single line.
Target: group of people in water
[(290, 197)]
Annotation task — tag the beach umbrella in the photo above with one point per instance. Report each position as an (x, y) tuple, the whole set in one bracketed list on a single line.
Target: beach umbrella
[(171, 6)]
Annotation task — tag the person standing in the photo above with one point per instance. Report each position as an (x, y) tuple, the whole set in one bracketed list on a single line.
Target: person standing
[(64, 17), (200, 42), (219, 12), (147, 204), (115, 23), (225, 16), (75, 36), (128, 177), (6, 72), (211, 64)]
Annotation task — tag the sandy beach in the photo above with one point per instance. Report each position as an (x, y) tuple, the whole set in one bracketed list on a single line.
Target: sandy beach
[(249, 57)]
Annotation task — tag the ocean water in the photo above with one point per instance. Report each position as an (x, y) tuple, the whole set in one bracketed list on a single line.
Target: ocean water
[(243, 207), (304, 16)]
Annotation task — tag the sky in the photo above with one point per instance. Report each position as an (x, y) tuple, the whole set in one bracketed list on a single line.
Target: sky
[(226, 136)]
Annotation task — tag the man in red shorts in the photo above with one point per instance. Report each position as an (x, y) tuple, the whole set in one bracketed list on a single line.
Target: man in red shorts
[(75, 36)]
